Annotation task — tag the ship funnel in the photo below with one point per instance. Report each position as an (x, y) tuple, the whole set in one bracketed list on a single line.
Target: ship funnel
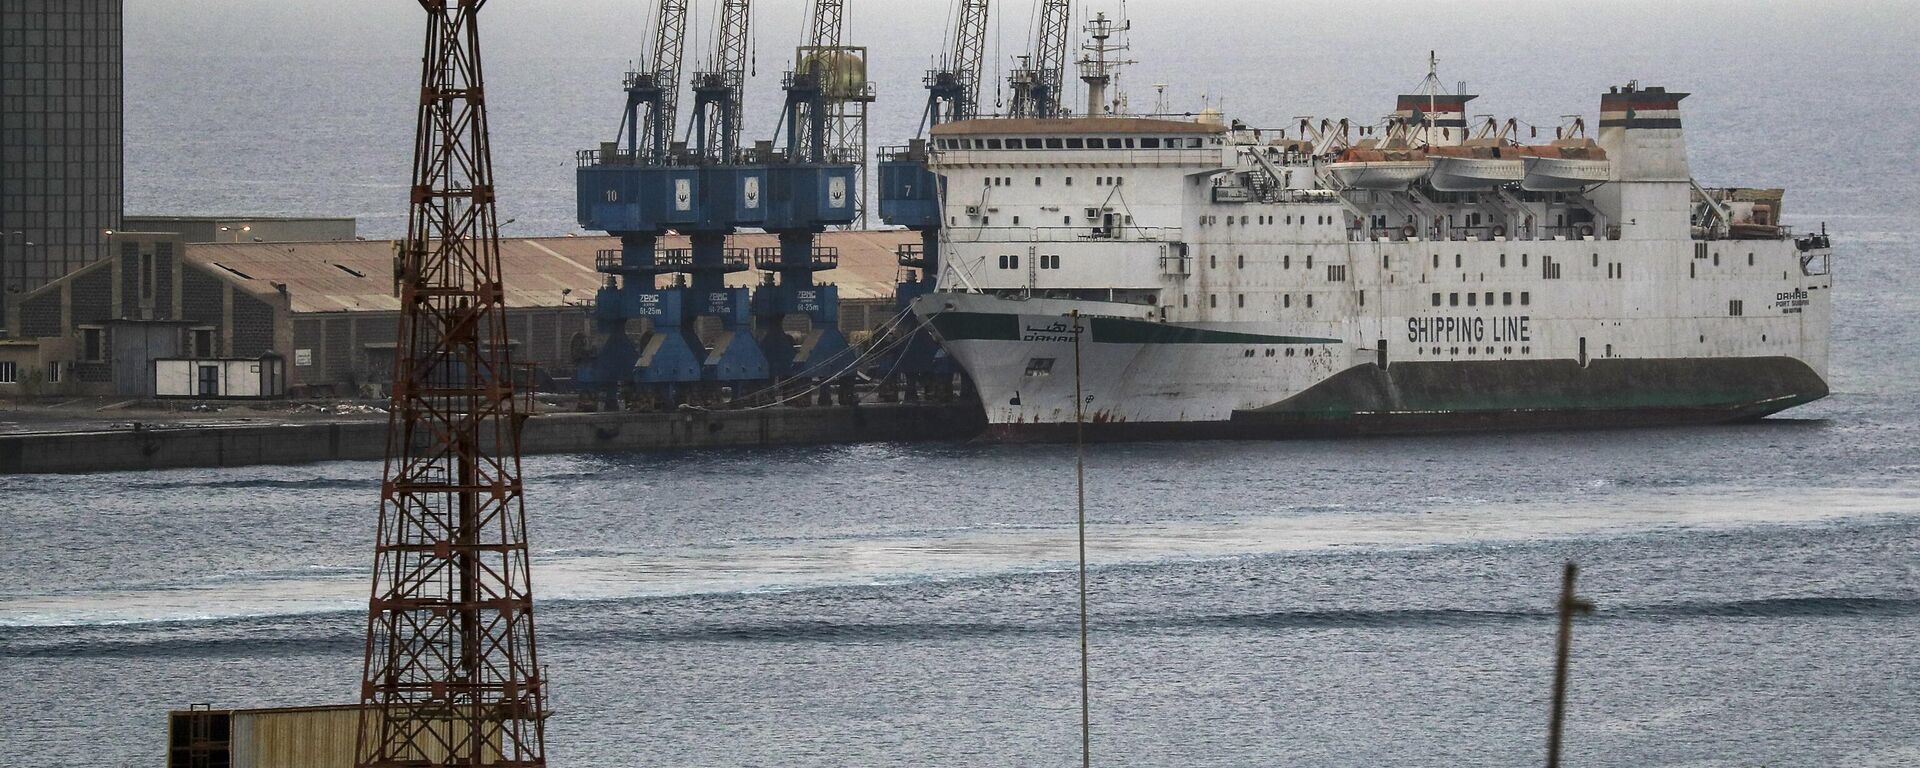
[(1442, 116), (1640, 132)]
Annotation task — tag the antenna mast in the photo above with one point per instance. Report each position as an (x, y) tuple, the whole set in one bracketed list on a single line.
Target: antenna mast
[(450, 675), (1096, 69)]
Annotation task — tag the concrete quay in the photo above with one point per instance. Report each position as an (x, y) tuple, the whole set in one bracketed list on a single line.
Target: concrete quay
[(174, 446)]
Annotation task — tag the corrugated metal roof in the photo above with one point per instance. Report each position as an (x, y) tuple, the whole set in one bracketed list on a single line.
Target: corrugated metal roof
[(357, 275)]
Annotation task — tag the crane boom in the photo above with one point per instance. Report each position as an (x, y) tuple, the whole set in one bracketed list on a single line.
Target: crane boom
[(722, 86), (669, 48), (969, 50), (1036, 88), (827, 26), (953, 85)]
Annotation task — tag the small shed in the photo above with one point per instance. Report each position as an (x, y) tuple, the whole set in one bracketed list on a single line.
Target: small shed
[(265, 376)]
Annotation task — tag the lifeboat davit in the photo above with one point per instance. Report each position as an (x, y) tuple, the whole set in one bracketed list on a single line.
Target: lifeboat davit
[(1379, 169)]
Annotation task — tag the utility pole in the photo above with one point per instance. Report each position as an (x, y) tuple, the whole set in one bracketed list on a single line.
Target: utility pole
[(1569, 605), (451, 677)]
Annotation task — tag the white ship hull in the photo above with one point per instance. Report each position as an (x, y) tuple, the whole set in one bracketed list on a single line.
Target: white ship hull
[(1545, 364)]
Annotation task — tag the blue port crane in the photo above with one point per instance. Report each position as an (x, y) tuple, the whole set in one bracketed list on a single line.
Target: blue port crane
[(812, 184), (652, 186), (910, 192)]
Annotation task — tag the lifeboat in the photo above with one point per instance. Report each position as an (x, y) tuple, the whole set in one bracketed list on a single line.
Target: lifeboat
[(1563, 174), (1564, 166), (1474, 170), (1379, 169)]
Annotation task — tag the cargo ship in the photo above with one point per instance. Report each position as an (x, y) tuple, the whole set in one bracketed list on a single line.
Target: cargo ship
[(1423, 272)]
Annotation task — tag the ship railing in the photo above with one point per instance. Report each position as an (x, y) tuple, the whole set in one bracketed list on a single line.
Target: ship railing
[(1062, 234)]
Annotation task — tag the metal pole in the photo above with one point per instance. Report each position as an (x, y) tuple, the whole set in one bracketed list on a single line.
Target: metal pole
[(1569, 604), (1080, 483)]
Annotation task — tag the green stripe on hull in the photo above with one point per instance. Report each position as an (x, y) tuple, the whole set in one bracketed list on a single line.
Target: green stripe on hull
[(1464, 387), (984, 326)]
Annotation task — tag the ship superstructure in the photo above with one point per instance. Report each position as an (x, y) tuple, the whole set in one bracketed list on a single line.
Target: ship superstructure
[(1425, 272)]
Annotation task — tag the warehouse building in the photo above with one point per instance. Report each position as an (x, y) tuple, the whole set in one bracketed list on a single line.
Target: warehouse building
[(245, 229), (321, 318)]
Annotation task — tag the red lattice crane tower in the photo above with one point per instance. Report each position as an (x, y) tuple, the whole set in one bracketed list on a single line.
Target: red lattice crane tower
[(451, 676)]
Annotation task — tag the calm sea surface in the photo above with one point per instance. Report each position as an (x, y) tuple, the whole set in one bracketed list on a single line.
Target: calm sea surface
[(1340, 603)]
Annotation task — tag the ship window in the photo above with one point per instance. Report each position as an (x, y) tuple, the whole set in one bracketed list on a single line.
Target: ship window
[(1453, 299), (1129, 143), (1066, 220), (1749, 258), (1054, 144), (1309, 261), (1149, 143), (1457, 259), (1363, 297), (1183, 301), (1384, 261), (1036, 181), (1436, 261), (1040, 366), (1596, 259), (1032, 143), (1076, 143), (1212, 300), (986, 220), (993, 143), (1286, 261), (1526, 298), (1289, 219), (1716, 258), (1436, 299), (1240, 299), (1119, 181), (1193, 143), (1503, 260), (1489, 298), (1096, 143), (1212, 261), (1242, 259), (1289, 351), (1286, 301), (1506, 298), (1523, 260), (1069, 181), (1016, 221), (1309, 301), (1692, 269), (1471, 299)]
